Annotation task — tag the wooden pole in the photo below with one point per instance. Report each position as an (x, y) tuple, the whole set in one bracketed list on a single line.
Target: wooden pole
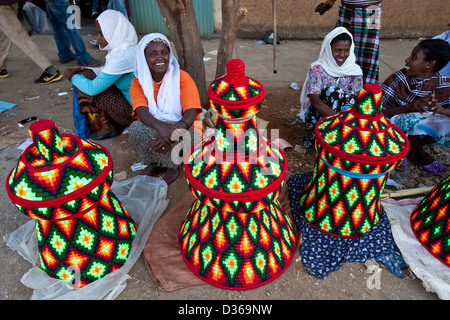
[(406, 192), (274, 10)]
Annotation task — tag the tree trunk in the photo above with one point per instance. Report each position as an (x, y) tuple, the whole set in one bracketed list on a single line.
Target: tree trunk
[(179, 16), (232, 15)]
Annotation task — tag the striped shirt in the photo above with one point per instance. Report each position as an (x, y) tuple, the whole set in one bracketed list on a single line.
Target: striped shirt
[(399, 89)]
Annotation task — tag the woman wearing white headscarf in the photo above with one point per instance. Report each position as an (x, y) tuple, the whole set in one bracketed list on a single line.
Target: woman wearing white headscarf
[(166, 101), (333, 81), (104, 92)]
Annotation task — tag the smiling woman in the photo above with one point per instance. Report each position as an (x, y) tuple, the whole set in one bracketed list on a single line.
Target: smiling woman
[(157, 54), (166, 102), (333, 81), (417, 100)]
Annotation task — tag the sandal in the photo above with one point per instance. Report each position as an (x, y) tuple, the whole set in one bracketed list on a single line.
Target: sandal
[(436, 168), (151, 170), (171, 176), (112, 134), (403, 166)]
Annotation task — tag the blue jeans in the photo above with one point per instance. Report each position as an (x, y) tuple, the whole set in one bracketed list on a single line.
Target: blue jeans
[(118, 5), (94, 6), (64, 36)]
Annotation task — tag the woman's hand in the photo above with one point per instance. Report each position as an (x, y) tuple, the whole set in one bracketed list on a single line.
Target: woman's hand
[(163, 142), (422, 104), (320, 106), (161, 145), (436, 108), (70, 72)]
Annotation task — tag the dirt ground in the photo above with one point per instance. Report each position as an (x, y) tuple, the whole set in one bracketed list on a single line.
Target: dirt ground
[(280, 108)]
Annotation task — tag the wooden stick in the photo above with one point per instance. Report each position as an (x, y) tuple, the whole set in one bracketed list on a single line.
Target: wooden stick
[(406, 192), (274, 9)]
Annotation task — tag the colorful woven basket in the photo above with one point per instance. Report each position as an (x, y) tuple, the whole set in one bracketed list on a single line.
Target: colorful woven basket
[(83, 230), (236, 235), (430, 221), (356, 150)]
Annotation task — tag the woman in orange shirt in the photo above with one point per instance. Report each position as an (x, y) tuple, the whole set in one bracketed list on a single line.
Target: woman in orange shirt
[(166, 102)]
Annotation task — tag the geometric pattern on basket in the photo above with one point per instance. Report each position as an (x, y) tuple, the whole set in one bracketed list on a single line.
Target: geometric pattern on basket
[(362, 141), (340, 205), (59, 180), (362, 130), (63, 182), (236, 235), (430, 221), (237, 206), (226, 91), (227, 174), (237, 251), (68, 209), (374, 168), (356, 150), (96, 243)]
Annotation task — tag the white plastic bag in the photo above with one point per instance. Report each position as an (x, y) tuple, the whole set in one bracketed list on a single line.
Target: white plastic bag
[(35, 17)]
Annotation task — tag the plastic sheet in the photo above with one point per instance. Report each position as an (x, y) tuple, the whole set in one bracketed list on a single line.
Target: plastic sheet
[(144, 198), (35, 17), (434, 274)]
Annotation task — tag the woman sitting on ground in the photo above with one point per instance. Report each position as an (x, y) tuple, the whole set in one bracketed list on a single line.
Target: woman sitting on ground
[(164, 98), (417, 100), (333, 81), (104, 92)]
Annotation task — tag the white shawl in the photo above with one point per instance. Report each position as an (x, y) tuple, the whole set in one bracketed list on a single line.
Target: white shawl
[(122, 40), (327, 62), (168, 107)]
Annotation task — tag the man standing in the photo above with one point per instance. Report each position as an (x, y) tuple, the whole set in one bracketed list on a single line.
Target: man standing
[(65, 36), (12, 31)]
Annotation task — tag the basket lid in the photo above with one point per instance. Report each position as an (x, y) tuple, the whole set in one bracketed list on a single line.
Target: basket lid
[(363, 134), (235, 95), (56, 168)]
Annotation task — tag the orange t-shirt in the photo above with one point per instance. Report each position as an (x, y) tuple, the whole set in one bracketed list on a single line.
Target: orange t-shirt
[(189, 96)]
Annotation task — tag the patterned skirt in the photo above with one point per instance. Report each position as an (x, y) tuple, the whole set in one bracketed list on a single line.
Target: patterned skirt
[(417, 124), (142, 137), (363, 24), (110, 105)]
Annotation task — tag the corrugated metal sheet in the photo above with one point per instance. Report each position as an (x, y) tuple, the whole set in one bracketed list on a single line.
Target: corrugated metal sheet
[(146, 17)]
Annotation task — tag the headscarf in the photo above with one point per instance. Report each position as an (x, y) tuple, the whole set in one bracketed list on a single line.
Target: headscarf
[(122, 39), (168, 107), (327, 62)]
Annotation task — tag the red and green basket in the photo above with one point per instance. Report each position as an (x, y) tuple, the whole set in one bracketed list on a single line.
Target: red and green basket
[(356, 151), (236, 234), (430, 221), (63, 182)]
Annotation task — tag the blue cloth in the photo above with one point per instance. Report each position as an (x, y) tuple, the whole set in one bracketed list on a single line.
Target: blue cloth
[(94, 6), (323, 253), (65, 36), (445, 71), (6, 105), (102, 82), (79, 119), (118, 5)]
